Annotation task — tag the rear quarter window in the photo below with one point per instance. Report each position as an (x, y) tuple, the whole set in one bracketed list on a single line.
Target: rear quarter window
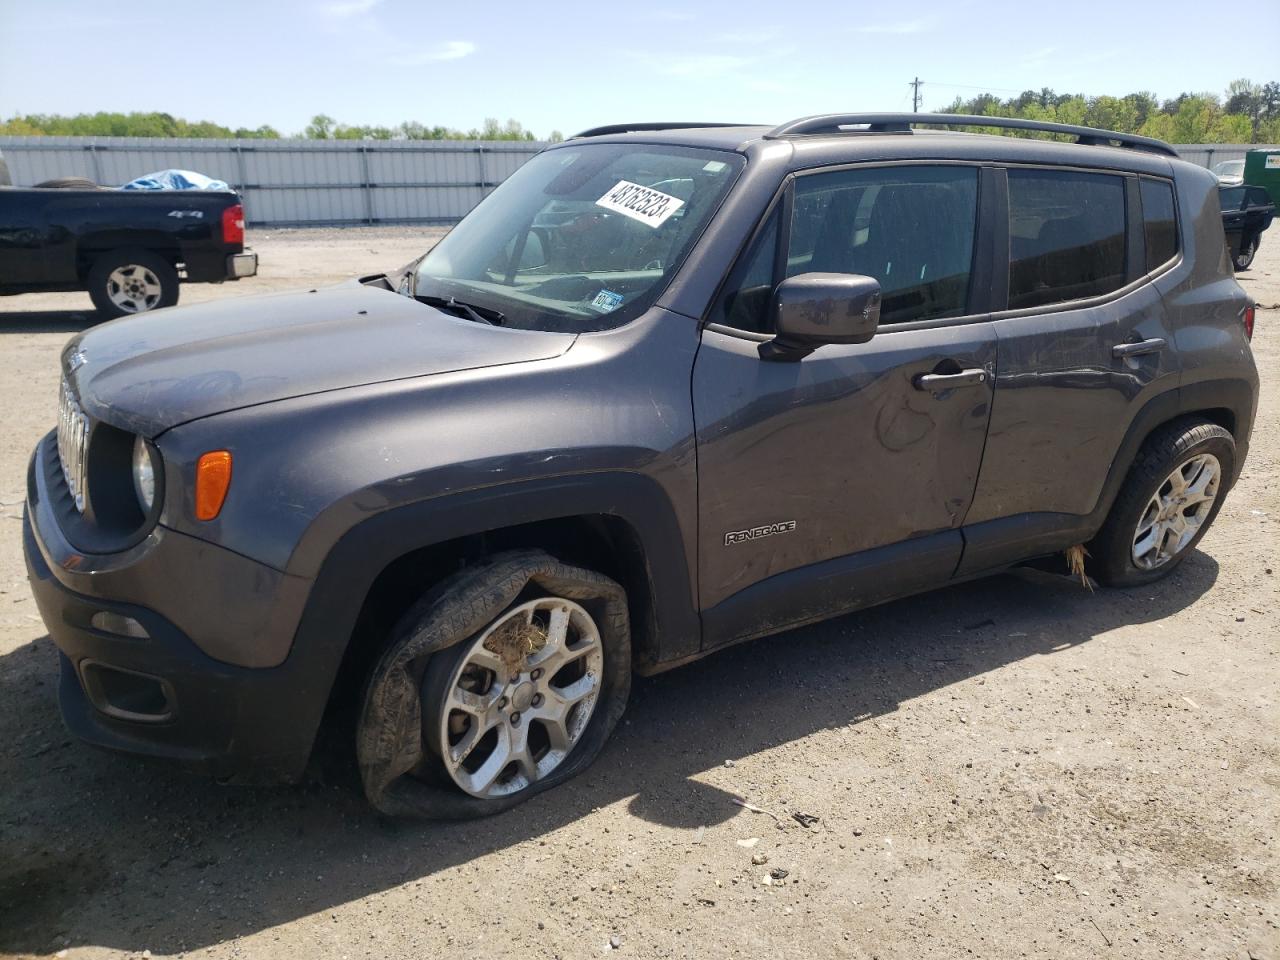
[(1066, 236), (1159, 222)]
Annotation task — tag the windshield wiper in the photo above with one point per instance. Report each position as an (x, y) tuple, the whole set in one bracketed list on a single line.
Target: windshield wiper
[(470, 311)]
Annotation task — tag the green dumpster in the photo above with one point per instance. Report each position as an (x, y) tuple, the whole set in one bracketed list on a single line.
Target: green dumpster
[(1262, 169)]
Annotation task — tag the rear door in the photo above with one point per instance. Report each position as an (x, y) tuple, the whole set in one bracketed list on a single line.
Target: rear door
[(843, 478), (1082, 347)]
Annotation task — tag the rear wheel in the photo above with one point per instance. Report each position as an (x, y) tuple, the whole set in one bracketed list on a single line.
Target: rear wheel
[(1171, 496), (129, 281), (1244, 259)]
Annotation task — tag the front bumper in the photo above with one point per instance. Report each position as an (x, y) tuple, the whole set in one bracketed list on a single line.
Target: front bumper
[(133, 680)]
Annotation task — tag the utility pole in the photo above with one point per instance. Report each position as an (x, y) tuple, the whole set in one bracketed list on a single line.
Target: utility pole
[(915, 94)]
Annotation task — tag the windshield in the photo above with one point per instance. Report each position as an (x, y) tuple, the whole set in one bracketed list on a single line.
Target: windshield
[(1229, 168), (580, 238)]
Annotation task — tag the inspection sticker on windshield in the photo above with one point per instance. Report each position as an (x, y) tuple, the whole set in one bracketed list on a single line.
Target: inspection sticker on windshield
[(607, 300), (640, 203)]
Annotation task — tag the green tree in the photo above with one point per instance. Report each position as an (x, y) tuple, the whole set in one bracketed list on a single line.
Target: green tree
[(320, 127)]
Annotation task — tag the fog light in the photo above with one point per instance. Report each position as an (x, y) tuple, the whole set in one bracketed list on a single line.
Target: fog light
[(120, 625)]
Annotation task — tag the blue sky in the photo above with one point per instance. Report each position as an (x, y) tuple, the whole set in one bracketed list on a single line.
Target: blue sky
[(567, 65)]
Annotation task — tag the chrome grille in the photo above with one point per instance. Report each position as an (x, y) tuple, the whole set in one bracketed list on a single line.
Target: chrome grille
[(73, 442)]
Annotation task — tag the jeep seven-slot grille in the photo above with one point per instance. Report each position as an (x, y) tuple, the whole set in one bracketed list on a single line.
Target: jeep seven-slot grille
[(73, 443)]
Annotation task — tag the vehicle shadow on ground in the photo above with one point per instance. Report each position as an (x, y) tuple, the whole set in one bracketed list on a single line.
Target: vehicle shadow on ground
[(106, 850), (48, 321)]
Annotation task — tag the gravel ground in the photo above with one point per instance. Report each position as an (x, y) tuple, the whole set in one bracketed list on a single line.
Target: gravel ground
[(1011, 768)]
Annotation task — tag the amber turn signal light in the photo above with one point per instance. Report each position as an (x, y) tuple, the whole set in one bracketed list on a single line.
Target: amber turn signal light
[(213, 478)]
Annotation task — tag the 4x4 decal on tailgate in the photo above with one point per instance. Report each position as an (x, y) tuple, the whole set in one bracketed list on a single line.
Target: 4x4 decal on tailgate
[(756, 533)]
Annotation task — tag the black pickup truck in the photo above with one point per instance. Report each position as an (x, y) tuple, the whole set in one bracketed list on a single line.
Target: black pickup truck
[(130, 249)]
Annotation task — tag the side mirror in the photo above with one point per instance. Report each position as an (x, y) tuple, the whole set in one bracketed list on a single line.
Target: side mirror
[(813, 309)]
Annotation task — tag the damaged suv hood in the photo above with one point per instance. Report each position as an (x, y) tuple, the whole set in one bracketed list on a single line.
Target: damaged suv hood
[(148, 373)]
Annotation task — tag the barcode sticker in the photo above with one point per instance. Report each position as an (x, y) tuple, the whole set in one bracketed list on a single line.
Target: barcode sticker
[(640, 203)]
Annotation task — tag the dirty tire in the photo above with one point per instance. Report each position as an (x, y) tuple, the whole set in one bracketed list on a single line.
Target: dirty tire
[(401, 775), (1110, 559), (100, 275), (1244, 259), (67, 183)]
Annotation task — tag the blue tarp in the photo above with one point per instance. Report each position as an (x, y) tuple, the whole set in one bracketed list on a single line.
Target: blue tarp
[(175, 180)]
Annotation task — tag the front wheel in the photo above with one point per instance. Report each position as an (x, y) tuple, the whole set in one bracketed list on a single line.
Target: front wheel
[(129, 281), (507, 709), (1244, 259), (1171, 496), (503, 681)]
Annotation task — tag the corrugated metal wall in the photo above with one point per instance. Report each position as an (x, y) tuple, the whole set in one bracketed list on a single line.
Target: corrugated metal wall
[(287, 182), (1208, 154)]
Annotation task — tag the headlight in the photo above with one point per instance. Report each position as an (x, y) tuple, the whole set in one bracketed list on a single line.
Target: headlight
[(144, 475)]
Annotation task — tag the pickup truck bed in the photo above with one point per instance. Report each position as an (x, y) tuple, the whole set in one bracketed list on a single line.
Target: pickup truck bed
[(129, 249)]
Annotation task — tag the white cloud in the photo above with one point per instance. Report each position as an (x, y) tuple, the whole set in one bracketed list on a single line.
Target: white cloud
[(745, 37), (1037, 56), (342, 9), (898, 26), (449, 50), (698, 65)]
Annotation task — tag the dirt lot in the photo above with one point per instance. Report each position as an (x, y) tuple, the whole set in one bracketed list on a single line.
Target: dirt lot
[(1012, 768)]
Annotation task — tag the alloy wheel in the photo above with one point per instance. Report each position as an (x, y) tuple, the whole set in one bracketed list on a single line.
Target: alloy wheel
[(1176, 512), (519, 699), (133, 288)]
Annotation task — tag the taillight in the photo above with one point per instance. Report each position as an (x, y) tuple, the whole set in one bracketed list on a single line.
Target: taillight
[(1248, 320), (233, 225)]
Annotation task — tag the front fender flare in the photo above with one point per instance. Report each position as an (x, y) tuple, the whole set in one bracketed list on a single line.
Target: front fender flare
[(354, 562)]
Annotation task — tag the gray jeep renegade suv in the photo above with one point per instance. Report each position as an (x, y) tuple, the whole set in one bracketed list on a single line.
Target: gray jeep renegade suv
[(669, 388)]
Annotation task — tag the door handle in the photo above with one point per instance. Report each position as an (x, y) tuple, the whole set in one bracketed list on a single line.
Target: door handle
[(937, 382), (1142, 347)]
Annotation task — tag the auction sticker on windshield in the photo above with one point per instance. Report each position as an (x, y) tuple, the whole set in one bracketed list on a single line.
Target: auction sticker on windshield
[(640, 203)]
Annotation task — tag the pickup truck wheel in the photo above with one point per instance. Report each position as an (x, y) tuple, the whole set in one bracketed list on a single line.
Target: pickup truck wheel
[(1171, 496), (124, 282), (503, 681), (1244, 259)]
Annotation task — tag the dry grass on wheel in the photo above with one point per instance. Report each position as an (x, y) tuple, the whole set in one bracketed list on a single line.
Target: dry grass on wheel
[(514, 640)]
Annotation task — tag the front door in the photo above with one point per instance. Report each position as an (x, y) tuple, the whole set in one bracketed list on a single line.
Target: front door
[(843, 478)]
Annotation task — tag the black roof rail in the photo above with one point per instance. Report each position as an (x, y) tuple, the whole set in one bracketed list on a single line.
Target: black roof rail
[(903, 122), (640, 127)]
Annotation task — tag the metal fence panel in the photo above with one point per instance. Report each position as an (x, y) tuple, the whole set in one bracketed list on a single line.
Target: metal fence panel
[(333, 181), (287, 182), (1208, 154)]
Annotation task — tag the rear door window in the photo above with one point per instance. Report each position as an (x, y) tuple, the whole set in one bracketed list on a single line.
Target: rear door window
[(1159, 222), (1257, 196), (1231, 198), (1066, 236)]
